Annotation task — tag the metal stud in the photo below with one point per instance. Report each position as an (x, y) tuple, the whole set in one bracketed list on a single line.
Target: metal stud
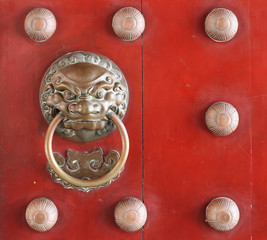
[(130, 214), (41, 214), (222, 214), (221, 25), (128, 24), (40, 24), (222, 119)]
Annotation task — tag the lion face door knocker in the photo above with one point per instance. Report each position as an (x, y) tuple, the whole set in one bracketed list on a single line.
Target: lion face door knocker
[(83, 97)]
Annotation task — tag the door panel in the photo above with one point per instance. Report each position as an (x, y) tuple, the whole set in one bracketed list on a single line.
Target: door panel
[(81, 25), (185, 165), (174, 73), (258, 118)]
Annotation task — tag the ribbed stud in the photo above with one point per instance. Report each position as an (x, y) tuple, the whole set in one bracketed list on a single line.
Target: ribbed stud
[(221, 25), (130, 214), (40, 24), (222, 214), (222, 118), (128, 24), (41, 214)]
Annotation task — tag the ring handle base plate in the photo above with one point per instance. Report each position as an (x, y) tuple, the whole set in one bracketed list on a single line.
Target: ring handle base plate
[(86, 166)]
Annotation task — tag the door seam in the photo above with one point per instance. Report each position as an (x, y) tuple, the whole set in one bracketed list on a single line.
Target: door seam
[(142, 93)]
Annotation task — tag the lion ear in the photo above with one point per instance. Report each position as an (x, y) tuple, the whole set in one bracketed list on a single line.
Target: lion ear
[(118, 87), (49, 88)]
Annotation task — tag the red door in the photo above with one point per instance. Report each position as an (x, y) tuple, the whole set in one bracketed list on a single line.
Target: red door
[(175, 165)]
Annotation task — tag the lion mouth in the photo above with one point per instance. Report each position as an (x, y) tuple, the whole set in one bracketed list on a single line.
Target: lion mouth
[(89, 125)]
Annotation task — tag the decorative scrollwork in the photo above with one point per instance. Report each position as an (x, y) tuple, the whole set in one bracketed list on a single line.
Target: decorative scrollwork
[(83, 86), (86, 165)]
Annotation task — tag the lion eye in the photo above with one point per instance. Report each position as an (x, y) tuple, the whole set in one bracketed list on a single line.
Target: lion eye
[(100, 93), (68, 95), (109, 79)]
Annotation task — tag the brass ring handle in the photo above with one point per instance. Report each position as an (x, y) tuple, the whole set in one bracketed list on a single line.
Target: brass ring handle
[(94, 182)]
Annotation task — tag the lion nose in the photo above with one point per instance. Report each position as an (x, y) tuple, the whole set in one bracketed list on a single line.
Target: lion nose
[(86, 108)]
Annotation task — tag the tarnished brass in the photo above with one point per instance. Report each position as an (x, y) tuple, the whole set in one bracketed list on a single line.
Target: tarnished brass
[(83, 86), (84, 96), (130, 214), (41, 214), (221, 25), (222, 118), (128, 23), (95, 182), (222, 214), (40, 24), (86, 165)]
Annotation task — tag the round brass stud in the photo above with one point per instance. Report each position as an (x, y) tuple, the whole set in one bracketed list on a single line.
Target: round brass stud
[(222, 119), (128, 24), (221, 25), (222, 214), (130, 214), (40, 24), (41, 214)]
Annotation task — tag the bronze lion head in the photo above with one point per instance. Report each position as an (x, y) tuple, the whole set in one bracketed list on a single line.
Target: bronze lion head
[(83, 87)]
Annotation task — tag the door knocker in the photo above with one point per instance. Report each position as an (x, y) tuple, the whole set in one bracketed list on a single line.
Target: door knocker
[(83, 97)]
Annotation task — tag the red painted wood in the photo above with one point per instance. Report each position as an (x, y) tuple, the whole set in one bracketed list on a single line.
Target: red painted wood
[(258, 118), (185, 166), (82, 25), (184, 72)]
